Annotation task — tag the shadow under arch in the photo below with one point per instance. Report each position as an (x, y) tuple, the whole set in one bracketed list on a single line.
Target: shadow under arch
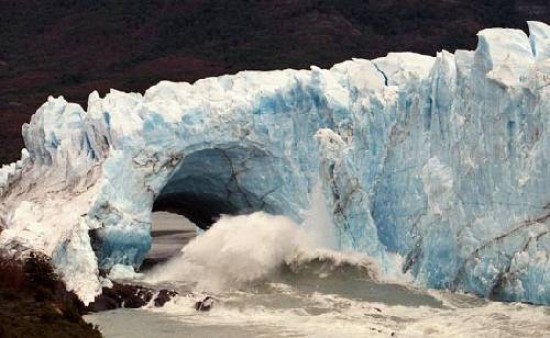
[(214, 181)]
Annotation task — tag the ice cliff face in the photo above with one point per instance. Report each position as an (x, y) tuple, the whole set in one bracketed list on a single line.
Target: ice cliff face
[(443, 160)]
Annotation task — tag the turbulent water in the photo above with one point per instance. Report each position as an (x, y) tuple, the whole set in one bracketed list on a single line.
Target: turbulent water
[(270, 279), (315, 307)]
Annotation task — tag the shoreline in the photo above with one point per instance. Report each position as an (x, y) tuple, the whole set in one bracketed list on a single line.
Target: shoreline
[(34, 302)]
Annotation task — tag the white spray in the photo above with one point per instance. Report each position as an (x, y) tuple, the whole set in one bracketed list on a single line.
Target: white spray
[(241, 249), (235, 250), (317, 222)]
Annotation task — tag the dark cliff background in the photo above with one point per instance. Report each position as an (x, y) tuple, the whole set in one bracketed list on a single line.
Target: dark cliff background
[(72, 47)]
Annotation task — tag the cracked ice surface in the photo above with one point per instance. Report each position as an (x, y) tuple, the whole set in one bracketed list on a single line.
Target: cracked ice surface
[(442, 160)]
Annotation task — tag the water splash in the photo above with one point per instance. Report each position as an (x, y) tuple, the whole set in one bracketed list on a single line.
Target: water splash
[(318, 223), (240, 249), (236, 250)]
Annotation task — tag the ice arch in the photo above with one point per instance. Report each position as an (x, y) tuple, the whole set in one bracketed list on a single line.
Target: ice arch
[(235, 165), (204, 184), (441, 160)]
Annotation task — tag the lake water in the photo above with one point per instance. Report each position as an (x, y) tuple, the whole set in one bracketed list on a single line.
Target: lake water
[(285, 289)]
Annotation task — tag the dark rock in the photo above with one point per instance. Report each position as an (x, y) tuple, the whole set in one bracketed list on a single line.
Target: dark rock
[(129, 296), (205, 304), (163, 297)]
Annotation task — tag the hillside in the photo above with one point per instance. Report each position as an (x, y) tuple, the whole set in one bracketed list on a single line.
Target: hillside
[(72, 47)]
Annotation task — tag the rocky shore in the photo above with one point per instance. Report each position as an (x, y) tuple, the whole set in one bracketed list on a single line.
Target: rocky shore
[(35, 303)]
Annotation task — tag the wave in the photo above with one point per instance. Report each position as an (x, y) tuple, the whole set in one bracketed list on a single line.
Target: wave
[(239, 250), (234, 251), (322, 263)]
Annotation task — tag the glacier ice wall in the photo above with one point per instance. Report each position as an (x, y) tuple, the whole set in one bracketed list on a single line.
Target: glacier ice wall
[(442, 160)]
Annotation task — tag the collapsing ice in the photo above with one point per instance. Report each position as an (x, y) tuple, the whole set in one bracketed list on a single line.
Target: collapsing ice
[(442, 160)]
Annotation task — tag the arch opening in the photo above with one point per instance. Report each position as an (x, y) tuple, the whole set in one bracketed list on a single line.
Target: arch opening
[(206, 184), (169, 234), (216, 181)]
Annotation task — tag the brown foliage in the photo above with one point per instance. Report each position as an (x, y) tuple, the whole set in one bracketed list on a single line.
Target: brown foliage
[(35, 303), (74, 47)]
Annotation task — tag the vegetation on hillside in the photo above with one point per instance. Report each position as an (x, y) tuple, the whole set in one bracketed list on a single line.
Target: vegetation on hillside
[(72, 47), (35, 303)]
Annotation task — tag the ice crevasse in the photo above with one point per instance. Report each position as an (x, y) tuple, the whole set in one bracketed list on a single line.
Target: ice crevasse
[(443, 160)]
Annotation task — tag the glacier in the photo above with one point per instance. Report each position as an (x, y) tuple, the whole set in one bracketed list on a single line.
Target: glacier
[(440, 160)]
